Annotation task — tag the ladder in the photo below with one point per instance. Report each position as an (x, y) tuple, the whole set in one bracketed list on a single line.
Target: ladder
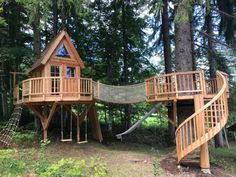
[(8, 131)]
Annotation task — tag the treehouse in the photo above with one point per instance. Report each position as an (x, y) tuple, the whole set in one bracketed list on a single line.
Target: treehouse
[(56, 83)]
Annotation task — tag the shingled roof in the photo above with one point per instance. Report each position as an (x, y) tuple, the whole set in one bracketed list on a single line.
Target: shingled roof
[(52, 46)]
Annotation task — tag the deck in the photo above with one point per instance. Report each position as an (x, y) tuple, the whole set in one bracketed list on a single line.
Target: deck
[(165, 87), (180, 86), (51, 89)]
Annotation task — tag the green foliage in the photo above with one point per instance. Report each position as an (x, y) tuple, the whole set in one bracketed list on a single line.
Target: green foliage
[(156, 167), (182, 14), (224, 157), (25, 136), (9, 164), (31, 7), (76, 168), (43, 145), (2, 20), (14, 163)]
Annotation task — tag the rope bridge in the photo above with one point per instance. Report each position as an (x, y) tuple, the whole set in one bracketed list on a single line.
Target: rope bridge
[(128, 94), (8, 131)]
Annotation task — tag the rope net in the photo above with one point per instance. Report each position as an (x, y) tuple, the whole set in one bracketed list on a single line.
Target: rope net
[(8, 131), (128, 94)]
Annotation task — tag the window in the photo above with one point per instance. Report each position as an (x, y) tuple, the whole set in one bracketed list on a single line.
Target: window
[(62, 52), (55, 71), (70, 72)]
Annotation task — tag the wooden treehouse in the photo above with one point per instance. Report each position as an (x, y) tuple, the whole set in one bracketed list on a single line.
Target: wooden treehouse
[(55, 84)]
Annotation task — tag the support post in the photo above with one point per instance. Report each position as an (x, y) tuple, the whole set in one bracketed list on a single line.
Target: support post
[(45, 135), (204, 153), (78, 127), (175, 112)]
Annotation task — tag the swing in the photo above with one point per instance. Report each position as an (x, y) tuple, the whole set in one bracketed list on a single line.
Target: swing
[(62, 127), (85, 133)]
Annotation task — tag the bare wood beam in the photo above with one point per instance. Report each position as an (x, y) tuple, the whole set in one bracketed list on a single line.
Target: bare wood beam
[(36, 111), (51, 114)]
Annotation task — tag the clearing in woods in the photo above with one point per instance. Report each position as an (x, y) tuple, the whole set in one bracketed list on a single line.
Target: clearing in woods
[(123, 159)]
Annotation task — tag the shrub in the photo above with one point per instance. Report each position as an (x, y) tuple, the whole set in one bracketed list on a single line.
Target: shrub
[(9, 164), (26, 136), (77, 168)]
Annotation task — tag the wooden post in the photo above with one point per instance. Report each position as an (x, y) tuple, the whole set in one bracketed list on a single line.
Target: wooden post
[(45, 135), (175, 112), (78, 125), (14, 80), (204, 153), (98, 89), (155, 88), (79, 89)]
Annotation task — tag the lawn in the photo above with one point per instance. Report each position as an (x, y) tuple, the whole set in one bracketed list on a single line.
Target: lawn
[(29, 157)]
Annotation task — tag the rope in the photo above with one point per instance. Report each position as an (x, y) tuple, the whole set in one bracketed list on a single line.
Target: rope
[(86, 129), (128, 94), (62, 126), (8, 131), (71, 122), (62, 134)]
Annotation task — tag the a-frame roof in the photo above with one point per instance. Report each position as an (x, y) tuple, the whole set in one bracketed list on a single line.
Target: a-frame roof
[(52, 46)]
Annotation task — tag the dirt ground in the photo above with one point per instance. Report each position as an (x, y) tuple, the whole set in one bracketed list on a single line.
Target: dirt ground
[(131, 160)]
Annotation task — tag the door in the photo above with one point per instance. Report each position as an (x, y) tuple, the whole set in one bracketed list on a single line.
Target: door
[(55, 80), (71, 81)]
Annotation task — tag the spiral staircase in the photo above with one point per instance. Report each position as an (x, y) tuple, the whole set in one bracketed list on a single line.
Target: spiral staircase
[(211, 108)]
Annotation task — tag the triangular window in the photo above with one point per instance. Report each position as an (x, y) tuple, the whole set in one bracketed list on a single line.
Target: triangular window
[(62, 52)]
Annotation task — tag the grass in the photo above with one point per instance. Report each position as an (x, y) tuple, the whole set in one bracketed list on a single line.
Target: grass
[(32, 158), (224, 157), (36, 163)]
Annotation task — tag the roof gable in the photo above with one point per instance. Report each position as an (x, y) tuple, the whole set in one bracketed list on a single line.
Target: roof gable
[(52, 48)]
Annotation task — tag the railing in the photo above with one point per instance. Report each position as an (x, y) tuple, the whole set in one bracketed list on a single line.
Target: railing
[(211, 86), (174, 85), (206, 122), (53, 88)]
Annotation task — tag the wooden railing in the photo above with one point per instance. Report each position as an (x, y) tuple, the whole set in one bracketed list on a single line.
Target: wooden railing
[(53, 89), (174, 86), (211, 86), (206, 122)]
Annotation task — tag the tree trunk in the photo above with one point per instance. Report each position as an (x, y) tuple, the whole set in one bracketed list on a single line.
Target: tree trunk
[(63, 14), (219, 141), (125, 60), (183, 42), (183, 53), (3, 93), (110, 81), (110, 115), (166, 38), (36, 33), (168, 62), (55, 17), (192, 39)]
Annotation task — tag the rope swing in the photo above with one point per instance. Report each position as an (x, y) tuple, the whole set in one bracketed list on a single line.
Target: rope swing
[(62, 126), (85, 131)]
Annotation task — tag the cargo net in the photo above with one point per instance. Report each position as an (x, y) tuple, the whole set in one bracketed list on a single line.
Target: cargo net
[(128, 94), (8, 131)]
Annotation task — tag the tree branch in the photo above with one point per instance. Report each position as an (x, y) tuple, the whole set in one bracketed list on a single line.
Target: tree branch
[(215, 40)]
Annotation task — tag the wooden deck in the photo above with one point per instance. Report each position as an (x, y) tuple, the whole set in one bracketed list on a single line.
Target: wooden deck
[(165, 87), (51, 89), (179, 86)]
